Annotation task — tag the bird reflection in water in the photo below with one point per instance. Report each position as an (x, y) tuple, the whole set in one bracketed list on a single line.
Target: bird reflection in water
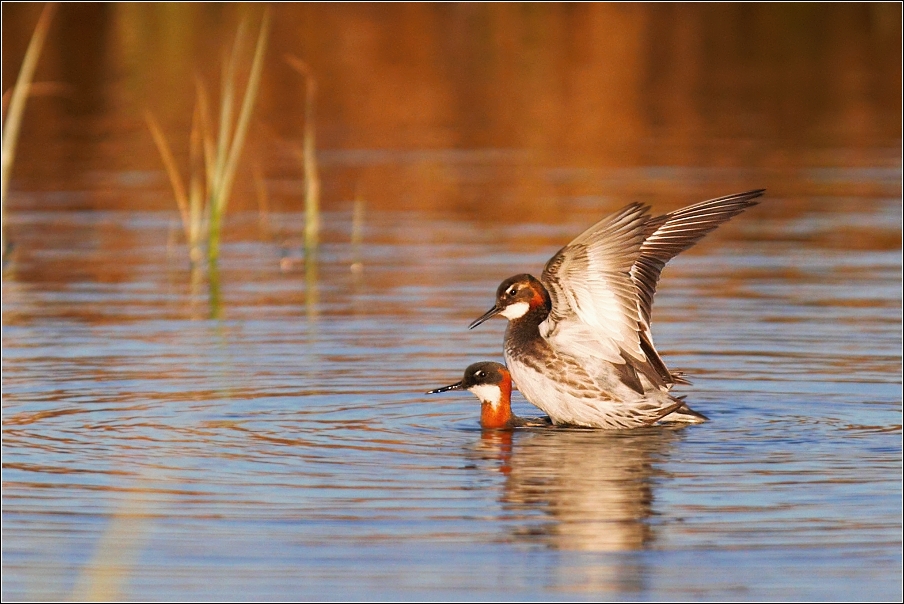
[(581, 490)]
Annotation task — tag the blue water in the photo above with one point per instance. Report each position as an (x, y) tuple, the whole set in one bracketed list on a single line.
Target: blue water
[(285, 449)]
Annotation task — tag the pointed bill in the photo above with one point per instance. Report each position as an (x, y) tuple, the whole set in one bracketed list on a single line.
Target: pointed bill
[(455, 386), (487, 315)]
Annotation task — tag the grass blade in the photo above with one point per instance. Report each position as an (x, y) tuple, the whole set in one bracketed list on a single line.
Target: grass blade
[(309, 158), (206, 136), (13, 121), (248, 101), (172, 171), (196, 190), (226, 174)]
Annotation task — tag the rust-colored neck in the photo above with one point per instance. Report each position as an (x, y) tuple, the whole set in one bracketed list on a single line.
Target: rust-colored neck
[(500, 416), (539, 304), (540, 299)]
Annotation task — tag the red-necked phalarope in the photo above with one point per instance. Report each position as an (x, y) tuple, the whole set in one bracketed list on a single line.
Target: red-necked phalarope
[(492, 383), (578, 343)]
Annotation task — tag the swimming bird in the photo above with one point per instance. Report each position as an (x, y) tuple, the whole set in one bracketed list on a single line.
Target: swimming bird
[(492, 383), (578, 342)]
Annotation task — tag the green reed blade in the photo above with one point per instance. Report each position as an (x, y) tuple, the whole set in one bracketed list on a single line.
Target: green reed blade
[(226, 176)]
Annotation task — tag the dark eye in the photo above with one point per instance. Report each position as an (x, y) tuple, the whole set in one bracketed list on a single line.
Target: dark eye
[(479, 373), (512, 291)]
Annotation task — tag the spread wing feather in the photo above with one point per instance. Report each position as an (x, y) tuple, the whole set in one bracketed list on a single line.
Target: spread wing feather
[(602, 284), (668, 235), (594, 300)]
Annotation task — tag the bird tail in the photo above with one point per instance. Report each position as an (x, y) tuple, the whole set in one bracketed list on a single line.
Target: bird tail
[(683, 414)]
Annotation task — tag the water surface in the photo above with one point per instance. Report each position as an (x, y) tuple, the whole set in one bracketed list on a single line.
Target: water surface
[(261, 432), (285, 450)]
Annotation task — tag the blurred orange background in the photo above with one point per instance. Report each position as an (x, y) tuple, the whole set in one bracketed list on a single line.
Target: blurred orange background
[(498, 108)]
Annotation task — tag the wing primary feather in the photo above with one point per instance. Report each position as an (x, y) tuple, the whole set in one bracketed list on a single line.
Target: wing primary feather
[(601, 285), (670, 234)]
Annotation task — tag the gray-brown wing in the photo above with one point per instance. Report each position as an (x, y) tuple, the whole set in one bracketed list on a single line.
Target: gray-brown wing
[(668, 235), (594, 311)]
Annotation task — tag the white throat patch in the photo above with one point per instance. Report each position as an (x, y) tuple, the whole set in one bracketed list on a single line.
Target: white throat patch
[(488, 393), (516, 310)]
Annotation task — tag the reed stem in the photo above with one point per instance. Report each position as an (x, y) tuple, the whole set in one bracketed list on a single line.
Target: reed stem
[(225, 171), (213, 163), (13, 121), (309, 157)]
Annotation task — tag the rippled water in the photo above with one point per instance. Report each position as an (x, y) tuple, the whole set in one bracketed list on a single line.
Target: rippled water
[(270, 440), (262, 432)]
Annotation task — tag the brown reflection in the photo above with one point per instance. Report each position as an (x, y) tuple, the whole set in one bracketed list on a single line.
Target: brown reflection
[(594, 488), (496, 446), (533, 98), (503, 113)]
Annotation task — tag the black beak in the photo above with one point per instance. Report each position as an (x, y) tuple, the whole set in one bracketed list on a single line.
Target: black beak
[(487, 315), (455, 386)]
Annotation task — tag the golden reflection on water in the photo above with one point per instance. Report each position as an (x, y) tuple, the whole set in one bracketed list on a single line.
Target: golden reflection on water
[(112, 565), (452, 105)]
